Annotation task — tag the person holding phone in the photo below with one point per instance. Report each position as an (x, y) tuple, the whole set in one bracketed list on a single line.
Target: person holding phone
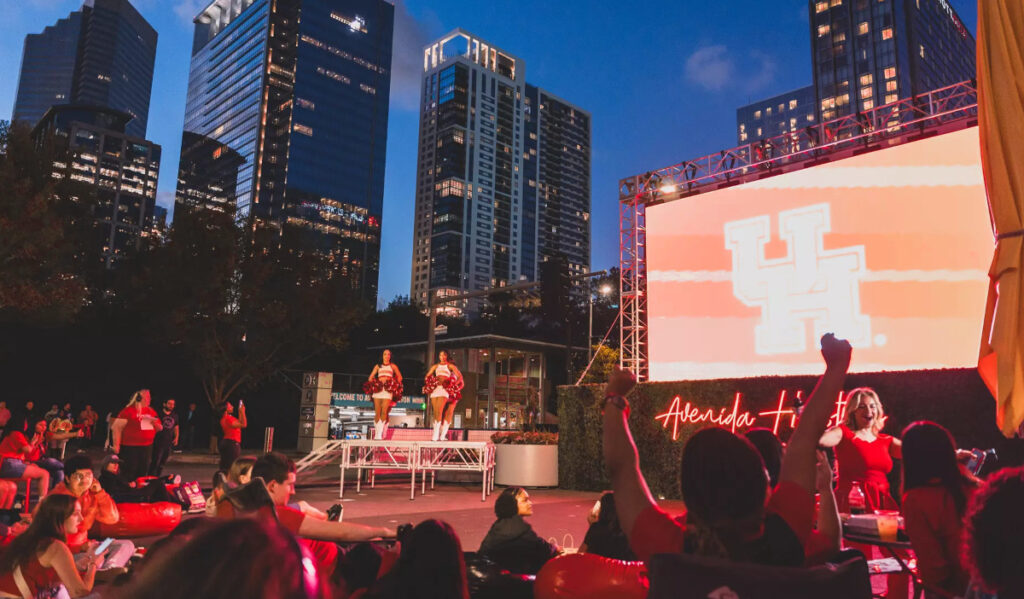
[(230, 445), (39, 560), (133, 432)]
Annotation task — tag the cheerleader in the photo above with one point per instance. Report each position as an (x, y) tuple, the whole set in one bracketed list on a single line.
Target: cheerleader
[(444, 382), (385, 387)]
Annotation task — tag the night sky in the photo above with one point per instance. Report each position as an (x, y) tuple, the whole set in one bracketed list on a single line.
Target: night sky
[(661, 79)]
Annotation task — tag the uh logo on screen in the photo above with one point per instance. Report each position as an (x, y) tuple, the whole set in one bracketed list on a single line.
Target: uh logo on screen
[(808, 283)]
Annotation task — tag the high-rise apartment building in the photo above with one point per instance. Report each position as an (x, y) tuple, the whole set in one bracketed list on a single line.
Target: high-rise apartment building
[(785, 113), (503, 174), (93, 150), (868, 53), (286, 121), (101, 55)]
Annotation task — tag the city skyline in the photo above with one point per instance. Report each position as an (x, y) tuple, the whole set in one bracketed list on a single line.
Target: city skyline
[(660, 90)]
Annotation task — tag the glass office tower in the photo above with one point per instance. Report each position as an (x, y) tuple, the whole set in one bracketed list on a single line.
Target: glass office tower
[(101, 55), (286, 121)]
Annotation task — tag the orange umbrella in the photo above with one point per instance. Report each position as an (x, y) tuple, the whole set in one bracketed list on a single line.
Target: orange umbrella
[(1001, 121)]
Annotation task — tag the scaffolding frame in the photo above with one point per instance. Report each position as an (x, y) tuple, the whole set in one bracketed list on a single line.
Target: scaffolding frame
[(943, 110)]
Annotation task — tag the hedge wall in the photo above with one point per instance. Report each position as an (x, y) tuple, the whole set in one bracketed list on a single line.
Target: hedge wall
[(957, 399)]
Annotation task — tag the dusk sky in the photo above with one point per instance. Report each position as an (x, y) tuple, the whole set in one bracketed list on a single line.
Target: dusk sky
[(661, 79)]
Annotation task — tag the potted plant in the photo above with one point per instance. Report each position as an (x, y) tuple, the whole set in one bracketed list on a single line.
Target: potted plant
[(526, 459)]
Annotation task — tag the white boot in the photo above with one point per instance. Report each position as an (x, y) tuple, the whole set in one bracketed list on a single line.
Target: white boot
[(437, 431), (377, 429), (383, 429), (444, 431)]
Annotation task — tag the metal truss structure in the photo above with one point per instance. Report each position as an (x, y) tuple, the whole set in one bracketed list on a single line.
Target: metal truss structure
[(940, 111)]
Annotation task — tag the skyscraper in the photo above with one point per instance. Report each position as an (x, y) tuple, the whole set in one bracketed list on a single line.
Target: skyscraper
[(503, 174), (868, 53), (286, 121), (773, 116), (121, 170), (101, 55)]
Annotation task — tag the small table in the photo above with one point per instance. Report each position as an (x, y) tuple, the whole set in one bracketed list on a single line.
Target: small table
[(890, 547)]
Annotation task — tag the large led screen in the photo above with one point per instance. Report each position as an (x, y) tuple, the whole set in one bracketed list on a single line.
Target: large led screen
[(889, 249)]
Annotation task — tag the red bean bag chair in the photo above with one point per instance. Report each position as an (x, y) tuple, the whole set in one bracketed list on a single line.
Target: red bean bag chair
[(589, 575), (140, 520)]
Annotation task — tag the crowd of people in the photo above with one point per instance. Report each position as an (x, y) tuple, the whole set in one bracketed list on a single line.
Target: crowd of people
[(750, 499)]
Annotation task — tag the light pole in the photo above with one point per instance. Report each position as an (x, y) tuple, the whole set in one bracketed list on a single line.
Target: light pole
[(604, 290)]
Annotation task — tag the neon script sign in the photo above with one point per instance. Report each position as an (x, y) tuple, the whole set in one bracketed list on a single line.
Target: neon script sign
[(734, 417)]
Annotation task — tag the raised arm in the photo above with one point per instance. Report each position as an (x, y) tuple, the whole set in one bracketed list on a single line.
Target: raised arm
[(829, 524), (632, 496), (798, 463)]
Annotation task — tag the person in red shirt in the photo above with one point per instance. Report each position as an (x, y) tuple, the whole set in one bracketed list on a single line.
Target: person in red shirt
[(16, 452), (230, 445), (936, 491), (278, 473), (133, 431), (38, 561), (723, 482)]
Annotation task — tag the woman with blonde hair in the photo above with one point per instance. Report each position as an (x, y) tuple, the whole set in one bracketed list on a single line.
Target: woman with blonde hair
[(385, 387), (133, 431), (864, 454)]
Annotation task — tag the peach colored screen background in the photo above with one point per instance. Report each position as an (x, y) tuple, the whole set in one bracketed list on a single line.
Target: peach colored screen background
[(896, 261)]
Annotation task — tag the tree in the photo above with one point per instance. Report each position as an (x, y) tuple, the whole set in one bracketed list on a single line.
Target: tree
[(606, 359), (242, 304), (42, 258)]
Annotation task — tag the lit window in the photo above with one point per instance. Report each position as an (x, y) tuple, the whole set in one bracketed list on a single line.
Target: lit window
[(867, 79), (828, 114), (823, 30), (840, 36), (866, 92), (768, 111), (304, 103), (743, 127), (887, 33), (828, 103), (759, 132), (792, 123), (862, 28), (743, 137), (836, 3), (304, 130), (921, 50), (792, 104), (821, 7), (890, 98), (890, 72), (757, 114), (867, 104), (782, 107), (810, 118), (890, 86)]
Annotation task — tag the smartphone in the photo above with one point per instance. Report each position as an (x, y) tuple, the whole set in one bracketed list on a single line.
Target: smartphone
[(103, 546)]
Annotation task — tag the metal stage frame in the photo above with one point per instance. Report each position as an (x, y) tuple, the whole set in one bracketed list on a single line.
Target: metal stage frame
[(416, 456), (943, 110)]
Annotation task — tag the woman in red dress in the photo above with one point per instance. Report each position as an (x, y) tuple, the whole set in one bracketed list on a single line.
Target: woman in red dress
[(864, 459)]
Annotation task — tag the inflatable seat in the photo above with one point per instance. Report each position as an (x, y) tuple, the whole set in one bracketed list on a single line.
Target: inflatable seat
[(592, 576), (140, 520)]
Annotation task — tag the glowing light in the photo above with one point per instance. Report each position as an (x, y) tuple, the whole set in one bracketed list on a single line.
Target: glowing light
[(778, 412), (667, 188), (679, 414)]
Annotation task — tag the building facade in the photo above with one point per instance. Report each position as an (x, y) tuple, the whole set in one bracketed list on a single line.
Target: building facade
[(503, 173), (785, 113), (120, 170), (868, 53), (286, 121), (101, 55)]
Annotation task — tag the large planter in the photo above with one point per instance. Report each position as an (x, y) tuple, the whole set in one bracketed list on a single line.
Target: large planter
[(526, 465)]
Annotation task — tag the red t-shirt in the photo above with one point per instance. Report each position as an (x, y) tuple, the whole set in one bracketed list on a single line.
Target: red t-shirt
[(935, 528), (12, 444), (657, 532), (866, 462), (231, 433), (134, 435)]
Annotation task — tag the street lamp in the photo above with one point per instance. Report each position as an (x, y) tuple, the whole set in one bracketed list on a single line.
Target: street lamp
[(603, 290)]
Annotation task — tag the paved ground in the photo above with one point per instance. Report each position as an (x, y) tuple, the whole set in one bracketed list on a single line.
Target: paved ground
[(558, 514)]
